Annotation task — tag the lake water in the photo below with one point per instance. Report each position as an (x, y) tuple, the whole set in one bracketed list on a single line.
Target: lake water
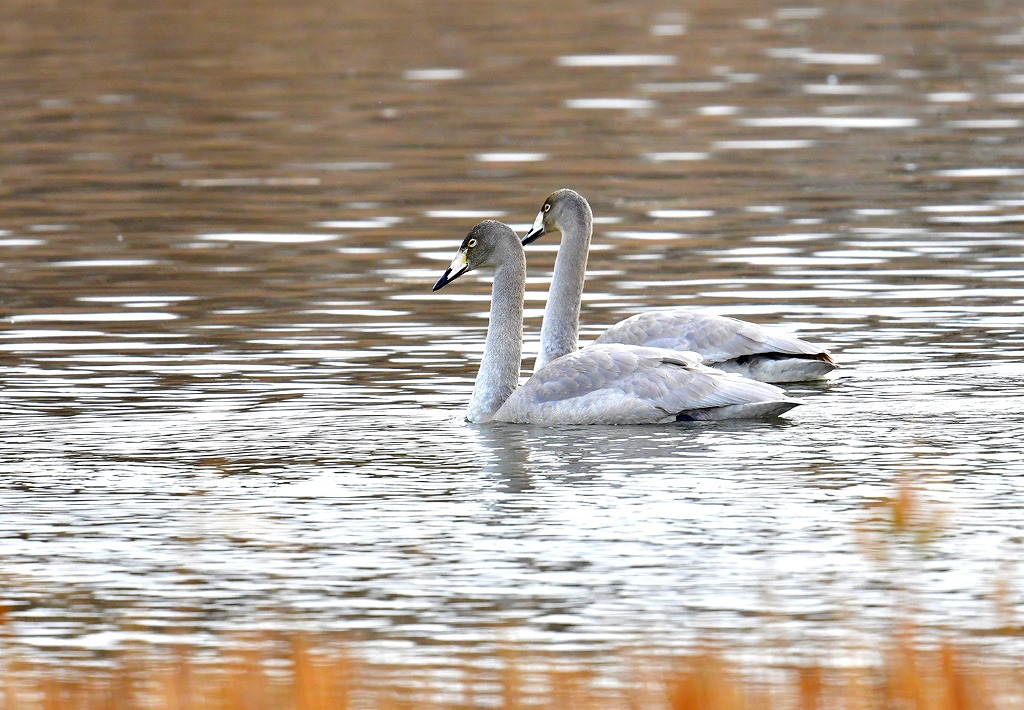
[(230, 401)]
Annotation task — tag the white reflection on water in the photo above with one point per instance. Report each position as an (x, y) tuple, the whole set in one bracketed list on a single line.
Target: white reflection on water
[(683, 87), (633, 234), (807, 237), (676, 156), (840, 89), (126, 316), (829, 122), (18, 242), (147, 298), (718, 110), (985, 124), (252, 182), (999, 172), (680, 214), (267, 238), (617, 60), (840, 58), (370, 223), (464, 214), (511, 157), (779, 144), (436, 74), (342, 165), (950, 96), (611, 104), (977, 218), (112, 346), (103, 263), (955, 208), (668, 30)]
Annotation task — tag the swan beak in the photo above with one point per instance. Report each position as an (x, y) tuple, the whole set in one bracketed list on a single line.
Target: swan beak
[(536, 231), (458, 267)]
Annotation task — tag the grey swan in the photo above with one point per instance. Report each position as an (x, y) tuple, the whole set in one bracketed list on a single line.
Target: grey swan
[(602, 384), (724, 343)]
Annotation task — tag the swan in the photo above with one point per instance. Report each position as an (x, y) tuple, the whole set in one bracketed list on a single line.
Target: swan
[(602, 384), (724, 343)]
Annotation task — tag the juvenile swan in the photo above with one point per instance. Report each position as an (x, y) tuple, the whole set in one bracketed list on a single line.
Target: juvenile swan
[(724, 343), (602, 384)]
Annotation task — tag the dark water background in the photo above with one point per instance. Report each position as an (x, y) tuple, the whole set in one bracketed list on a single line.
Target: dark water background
[(229, 400)]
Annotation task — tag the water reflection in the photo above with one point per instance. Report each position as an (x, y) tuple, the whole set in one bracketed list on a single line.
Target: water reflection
[(268, 238), (631, 104), (231, 401), (438, 74), (506, 456), (675, 156), (617, 60), (511, 157), (836, 122)]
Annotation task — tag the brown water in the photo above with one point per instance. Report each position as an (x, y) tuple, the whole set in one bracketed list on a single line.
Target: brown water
[(230, 401)]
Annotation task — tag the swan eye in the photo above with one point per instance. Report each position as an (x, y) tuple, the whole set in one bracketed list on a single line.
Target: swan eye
[(471, 243), (547, 207)]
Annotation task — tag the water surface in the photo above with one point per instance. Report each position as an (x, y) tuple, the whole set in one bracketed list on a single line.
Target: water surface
[(230, 401)]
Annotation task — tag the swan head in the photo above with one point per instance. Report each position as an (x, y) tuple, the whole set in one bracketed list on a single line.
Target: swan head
[(560, 205), (487, 244)]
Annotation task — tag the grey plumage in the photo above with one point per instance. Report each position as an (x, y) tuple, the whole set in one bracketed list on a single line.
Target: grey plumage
[(602, 384), (725, 343), (621, 384)]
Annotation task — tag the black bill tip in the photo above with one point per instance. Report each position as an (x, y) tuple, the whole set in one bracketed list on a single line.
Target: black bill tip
[(458, 268), (533, 235), (444, 280)]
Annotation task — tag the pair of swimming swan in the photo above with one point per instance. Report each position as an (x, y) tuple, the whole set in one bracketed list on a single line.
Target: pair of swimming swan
[(650, 368)]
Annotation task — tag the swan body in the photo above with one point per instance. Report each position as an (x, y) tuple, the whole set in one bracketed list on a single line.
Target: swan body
[(621, 384), (603, 384), (724, 343)]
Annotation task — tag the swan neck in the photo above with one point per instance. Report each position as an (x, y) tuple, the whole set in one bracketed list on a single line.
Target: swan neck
[(559, 334), (503, 350)]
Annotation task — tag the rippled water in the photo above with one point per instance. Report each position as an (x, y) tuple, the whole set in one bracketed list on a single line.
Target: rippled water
[(230, 401)]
